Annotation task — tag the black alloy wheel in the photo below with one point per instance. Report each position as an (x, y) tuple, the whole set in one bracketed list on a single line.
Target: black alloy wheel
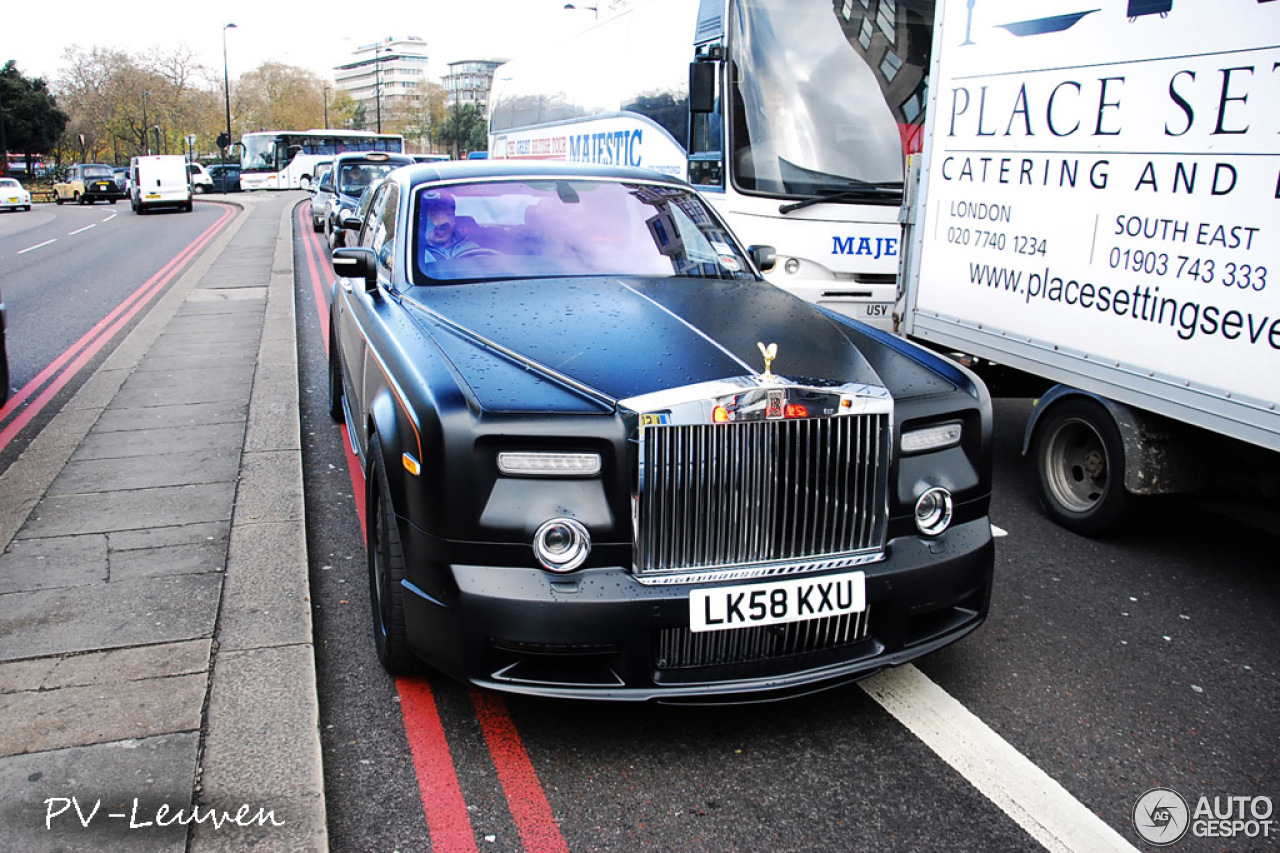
[(386, 571)]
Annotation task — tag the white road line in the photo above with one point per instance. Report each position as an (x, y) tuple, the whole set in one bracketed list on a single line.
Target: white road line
[(111, 217), (1023, 791), (36, 246), (78, 230)]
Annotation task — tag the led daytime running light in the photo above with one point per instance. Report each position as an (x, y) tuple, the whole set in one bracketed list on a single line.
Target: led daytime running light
[(549, 464)]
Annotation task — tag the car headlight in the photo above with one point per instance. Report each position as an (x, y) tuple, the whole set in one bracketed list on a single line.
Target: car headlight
[(933, 511), (561, 544)]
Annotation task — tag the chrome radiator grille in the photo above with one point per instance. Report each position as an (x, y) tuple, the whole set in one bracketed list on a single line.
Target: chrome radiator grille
[(730, 495), (680, 648)]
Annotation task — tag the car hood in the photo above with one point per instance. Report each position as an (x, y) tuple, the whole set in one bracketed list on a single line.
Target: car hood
[(621, 338)]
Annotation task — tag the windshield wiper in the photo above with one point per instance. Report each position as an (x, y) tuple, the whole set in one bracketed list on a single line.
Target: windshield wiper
[(886, 191)]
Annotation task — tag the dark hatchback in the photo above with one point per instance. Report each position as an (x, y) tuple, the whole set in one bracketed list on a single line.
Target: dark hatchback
[(605, 459), (226, 178)]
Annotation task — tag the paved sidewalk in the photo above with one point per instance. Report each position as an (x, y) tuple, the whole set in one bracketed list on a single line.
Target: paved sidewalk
[(156, 657)]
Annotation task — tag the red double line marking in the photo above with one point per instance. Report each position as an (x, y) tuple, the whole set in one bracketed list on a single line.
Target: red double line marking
[(73, 359), (448, 821)]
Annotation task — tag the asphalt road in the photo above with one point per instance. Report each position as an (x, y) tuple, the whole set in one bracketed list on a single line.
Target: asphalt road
[(67, 271), (1114, 666)]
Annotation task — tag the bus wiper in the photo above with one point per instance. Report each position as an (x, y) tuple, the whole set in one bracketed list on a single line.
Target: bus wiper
[(881, 193)]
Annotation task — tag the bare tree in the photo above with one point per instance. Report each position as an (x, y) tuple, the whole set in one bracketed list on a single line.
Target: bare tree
[(277, 97)]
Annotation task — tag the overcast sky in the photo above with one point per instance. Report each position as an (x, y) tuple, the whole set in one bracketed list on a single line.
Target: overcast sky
[(314, 35)]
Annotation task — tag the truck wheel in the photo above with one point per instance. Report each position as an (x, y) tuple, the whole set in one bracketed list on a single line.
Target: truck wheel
[(386, 571), (1079, 462)]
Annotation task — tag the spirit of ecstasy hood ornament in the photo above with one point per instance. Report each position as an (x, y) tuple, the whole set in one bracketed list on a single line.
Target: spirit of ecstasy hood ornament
[(769, 352)]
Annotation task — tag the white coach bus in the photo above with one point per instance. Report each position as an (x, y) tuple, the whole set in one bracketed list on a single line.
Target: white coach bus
[(793, 117), (288, 159)]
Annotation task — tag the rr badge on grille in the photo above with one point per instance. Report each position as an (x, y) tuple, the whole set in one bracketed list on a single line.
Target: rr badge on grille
[(776, 406)]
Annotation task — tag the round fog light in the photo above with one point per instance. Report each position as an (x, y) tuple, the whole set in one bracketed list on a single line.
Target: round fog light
[(561, 545), (933, 511)]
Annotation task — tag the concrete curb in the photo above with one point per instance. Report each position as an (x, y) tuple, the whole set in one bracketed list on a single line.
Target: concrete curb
[(262, 742)]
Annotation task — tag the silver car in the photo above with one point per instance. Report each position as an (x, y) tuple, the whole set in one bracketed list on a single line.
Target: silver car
[(320, 198)]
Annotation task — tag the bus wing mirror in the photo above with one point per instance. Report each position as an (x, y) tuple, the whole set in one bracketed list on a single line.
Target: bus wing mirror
[(702, 87)]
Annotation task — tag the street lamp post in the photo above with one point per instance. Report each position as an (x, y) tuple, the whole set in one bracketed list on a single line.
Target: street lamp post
[(377, 82), (156, 128), (146, 129), (326, 106), (226, 86)]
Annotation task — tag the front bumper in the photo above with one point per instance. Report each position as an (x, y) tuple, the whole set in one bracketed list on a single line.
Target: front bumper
[(595, 634)]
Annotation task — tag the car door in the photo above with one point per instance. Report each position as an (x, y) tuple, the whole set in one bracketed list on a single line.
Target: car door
[(356, 320)]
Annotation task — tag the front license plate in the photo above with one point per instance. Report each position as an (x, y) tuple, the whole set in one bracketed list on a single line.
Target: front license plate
[(773, 603)]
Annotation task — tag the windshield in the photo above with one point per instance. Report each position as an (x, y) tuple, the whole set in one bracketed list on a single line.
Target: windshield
[(353, 178), (97, 172), (553, 228), (825, 96), (259, 154)]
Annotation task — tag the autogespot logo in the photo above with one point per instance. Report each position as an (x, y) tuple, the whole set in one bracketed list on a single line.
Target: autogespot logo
[(1161, 816)]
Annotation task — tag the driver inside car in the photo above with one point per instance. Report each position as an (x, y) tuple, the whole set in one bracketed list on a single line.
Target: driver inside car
[(441, 239)]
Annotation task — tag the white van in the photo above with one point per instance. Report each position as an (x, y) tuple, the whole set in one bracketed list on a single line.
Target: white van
[(159, 180), (201, 180)]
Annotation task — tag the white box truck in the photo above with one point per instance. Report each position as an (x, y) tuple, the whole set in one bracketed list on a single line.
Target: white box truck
[(1098, 208), (159, 180)]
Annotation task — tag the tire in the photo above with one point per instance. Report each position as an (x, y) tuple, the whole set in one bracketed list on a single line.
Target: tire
[(188, 207), (4, 374), (57, 199), (78, 199), (198, 189), (305, 183), (1078, 454), (335, 380), (386, 571), (317, 225)]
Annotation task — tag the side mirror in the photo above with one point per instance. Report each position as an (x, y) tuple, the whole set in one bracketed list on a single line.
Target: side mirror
[(357, 262), (765, 257), (702, 87), (350, 222)]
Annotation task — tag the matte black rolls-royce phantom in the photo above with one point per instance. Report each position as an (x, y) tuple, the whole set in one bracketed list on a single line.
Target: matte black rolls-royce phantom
[(605, 459)]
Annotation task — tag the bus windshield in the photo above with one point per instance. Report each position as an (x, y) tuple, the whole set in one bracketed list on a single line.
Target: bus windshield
[(816, 104), (260, 153)]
